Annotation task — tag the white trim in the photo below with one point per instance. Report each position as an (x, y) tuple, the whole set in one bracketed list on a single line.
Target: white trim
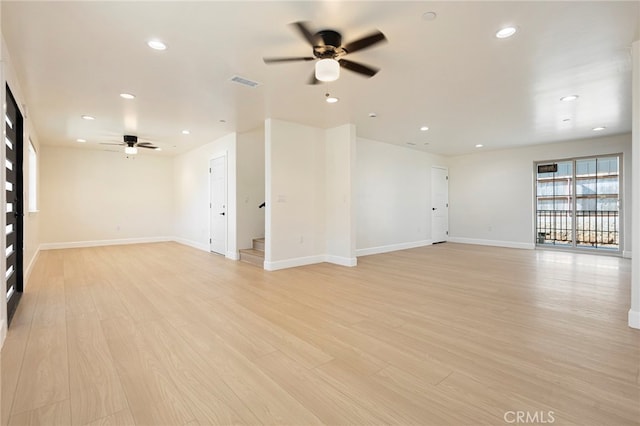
[(309, 260), (194, 244), (392, 247), (233, 255), (213, 157), (98, 243), (634, 318), (292, 263), (626, 254), (494, 243), (340, 260), (3, 331), (29, 269)]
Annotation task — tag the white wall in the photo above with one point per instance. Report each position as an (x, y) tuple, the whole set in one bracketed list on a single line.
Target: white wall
[(393, 196), (309, 195), (295, 194), (250, 185), (340, 162), (492, 192), (92, 197), (191, 180)]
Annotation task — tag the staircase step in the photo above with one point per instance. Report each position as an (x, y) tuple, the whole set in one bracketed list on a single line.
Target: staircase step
[(258, 244), (255, 257)]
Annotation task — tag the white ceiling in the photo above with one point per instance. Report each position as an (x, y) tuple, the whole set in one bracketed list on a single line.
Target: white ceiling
[(451, 74)]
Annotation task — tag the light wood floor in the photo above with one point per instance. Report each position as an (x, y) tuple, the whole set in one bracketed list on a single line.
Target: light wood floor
[(162, 334)]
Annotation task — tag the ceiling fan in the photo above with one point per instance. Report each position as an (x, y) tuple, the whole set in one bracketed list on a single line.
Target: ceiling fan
[(131, 144), (328, 48)]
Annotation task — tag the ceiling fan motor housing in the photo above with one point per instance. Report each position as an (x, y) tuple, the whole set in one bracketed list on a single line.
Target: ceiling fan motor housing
[(329, 44), (130, 139)]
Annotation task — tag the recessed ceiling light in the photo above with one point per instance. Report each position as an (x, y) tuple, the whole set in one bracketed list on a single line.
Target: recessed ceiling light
[(185, 132), (372, 115), (429, 16), (599, 128), (479, 145), (156, 45), (331, 99), (157, 149), (88, 117), (506, 32), (411, 143), (127, 96), (424, 128), (223, 121), (569, 98), (81, 140), (566, 120)]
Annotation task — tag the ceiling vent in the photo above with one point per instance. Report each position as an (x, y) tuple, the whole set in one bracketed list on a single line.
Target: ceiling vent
[(244, 81)]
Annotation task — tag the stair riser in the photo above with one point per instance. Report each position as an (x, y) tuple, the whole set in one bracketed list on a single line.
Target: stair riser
[(258, 245), (254, 260)]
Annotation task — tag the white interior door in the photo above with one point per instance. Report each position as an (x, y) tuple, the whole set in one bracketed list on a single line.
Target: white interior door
[(218, 185), (439, 204)]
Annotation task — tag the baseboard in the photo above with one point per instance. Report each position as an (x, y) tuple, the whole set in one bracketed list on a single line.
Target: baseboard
[(98, 243), (233, 255), (494, 243), (392, 247), (292, 263), (634, 318), (190, 243), (626, 254), (340, 260), (3, 332), (29, 269)]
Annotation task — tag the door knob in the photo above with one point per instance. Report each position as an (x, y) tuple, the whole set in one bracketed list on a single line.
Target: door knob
[(222, 214), (433, 208)]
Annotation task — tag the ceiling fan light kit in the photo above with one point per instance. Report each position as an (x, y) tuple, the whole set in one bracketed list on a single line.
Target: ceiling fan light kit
[(130, 150), (327, 69)]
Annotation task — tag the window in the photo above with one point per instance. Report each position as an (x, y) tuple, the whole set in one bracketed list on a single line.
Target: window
[(577, 203), (33, 178)]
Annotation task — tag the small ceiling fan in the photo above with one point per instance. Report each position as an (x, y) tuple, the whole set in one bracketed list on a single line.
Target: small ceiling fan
[(131, 144), (328, 48)]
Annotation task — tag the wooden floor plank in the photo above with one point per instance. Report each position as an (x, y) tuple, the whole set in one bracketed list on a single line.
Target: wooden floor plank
[(327, 402), (121, 418), (163, 334), (95, 387), (56, 414), (44, 376)]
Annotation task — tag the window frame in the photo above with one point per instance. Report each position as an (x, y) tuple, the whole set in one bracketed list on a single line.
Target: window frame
[(575, 246)]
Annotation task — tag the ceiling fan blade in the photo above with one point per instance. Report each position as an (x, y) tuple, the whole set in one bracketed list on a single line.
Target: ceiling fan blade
[(293, 59), (303, 29), (109, 143), (364, 42), (358, 67), (313, 79), (147, 146), (144, 143)]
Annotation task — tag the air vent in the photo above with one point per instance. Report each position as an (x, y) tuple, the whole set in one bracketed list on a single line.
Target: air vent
[(244, 81)]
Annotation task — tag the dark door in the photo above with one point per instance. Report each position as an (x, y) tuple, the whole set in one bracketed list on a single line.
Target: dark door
[(14, 231)]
